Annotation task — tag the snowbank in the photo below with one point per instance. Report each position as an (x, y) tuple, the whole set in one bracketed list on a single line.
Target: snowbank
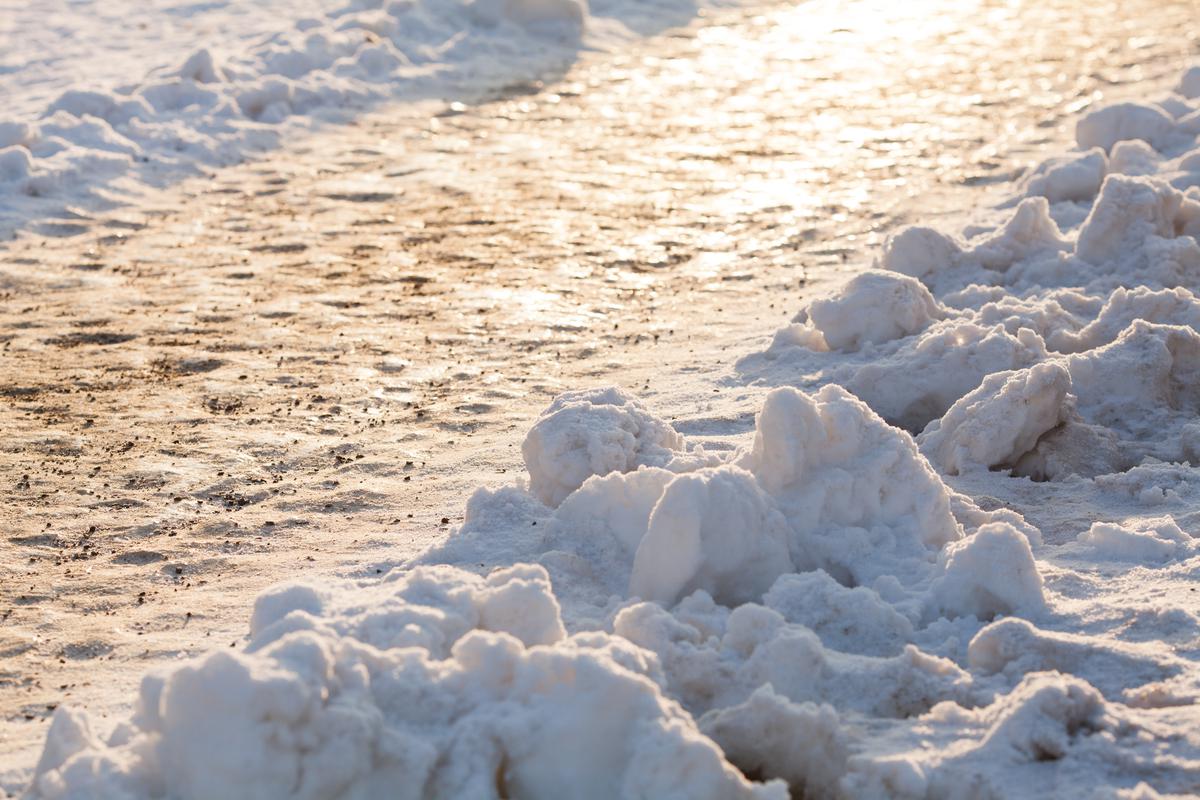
[(678, 594), (432, 684), (105, 117)]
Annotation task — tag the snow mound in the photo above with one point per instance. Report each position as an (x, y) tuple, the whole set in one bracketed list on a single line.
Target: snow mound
[(1130, 214), (1106, 126), (853, 620), (990, 573), (405, 693), (1189, 83), (715, 658), (1177, 306), (1015, 648), (919, 251), (105, 119), (922, 379), (804, 744), (714, 530), (593, 432), (1069, 178), (997, 423), (873, 307), (924, 253), (1047, 718), (1144, 542), (860, 498)]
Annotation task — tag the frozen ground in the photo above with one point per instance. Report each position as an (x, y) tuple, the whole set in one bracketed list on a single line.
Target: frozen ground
[(264, 375)]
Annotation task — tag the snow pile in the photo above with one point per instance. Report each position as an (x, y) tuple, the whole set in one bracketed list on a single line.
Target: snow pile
[(1062, 342), (432, 684), (873, 307), (825, 485), (688, 593), (1146, 541), (1051, 726), (112, 118)]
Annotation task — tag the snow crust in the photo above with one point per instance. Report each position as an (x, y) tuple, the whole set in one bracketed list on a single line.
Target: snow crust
[(999, 607)]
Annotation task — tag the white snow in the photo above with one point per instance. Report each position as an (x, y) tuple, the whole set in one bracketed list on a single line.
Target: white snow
[(589, 433), (872, 308), (103, 99), (432, 684), (832, 604), (999, 422)]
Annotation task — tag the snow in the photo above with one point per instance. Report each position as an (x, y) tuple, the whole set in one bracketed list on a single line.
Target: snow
[(435, 683), (998, 607), (1000, 421), (95, 113), (873, 307), (593, 432), (1123, 122)]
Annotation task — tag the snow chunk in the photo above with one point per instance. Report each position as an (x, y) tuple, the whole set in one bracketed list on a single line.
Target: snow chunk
[(1151, 540), (1128, 213), (1189, 83), (1133, 157), (1048, 717), (714, 530), (854, 620), (990, 573), (1070, 178), (925, 253), (769, 735), (923, 379), (856, 492), (1029, 231), (715, 658), (1106, 126), (1144, 384), (873, 307), (1000, 421), (593, 432), (1177, 306), (1015, 647), (918, 252), (200, 68)]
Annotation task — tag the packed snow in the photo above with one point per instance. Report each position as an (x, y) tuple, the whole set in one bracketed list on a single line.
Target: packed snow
[(954, 558), (105, 99)]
